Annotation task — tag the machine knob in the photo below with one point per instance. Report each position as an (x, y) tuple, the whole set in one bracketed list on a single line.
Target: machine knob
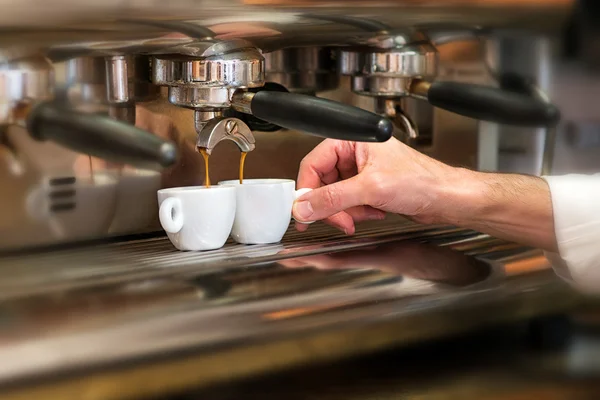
[(100, 137)]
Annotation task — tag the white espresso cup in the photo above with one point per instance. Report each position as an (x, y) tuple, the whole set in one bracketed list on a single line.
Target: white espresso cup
[(263, 209), (197, 218)]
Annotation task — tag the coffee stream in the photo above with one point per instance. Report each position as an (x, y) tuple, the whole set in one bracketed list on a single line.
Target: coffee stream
[(242, 161), (206, 156)]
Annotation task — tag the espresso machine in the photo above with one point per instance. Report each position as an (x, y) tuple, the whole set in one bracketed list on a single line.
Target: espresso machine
[(105, 103)]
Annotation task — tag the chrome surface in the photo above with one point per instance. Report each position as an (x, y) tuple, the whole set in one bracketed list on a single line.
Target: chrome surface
[(203, 76), (110, 85), (519, 149), (381, 86), (82, 70), (305, 69), (218, 129), (128, 79), (271, 24), (21, 83), (389, 71), (241, 101), (209, 98), (128, 317), (222, 64), (126, 311), (117, 79), (409, 61), (409, 131), (201, 118), (516, 366), (204, 51)]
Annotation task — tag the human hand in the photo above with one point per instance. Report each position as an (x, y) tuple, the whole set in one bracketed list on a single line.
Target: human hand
[(355, 182)]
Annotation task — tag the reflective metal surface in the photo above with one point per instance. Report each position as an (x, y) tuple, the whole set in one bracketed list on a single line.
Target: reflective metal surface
[(22, 82), (109, 58), (212, 133), (545, 359), (135, 310), (123, 316), (303, 69), (274, 22)]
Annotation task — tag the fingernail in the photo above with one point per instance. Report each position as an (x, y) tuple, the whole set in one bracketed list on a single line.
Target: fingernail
[(303, 210)]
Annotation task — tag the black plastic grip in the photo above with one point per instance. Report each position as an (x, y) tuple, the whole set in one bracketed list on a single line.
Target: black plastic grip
[(320, 117), (492, 104), (253, 122), (100, 136)]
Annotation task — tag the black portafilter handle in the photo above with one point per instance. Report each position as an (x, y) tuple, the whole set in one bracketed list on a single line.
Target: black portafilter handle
[(254, 123), (504, 106), (100, 136), (319, 117)]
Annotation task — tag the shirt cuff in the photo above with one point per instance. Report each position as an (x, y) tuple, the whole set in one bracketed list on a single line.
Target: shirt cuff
[(576, 210)]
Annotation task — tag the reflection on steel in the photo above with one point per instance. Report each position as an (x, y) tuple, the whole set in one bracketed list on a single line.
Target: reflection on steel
[(272, 25), (21, 83), (392, 109), (102, 306), (306, 69)]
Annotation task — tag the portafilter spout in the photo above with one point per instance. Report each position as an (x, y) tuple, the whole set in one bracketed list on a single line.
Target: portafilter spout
[(212, 128)]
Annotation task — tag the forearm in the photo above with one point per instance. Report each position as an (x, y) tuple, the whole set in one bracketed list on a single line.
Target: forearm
[(508, 206)]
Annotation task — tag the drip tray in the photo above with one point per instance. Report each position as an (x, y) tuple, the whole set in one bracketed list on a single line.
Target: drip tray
[(133, 260), (176, 319)]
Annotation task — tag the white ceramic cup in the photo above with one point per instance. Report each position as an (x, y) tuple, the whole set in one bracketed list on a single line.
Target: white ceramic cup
[(263, 209), (197, 218)]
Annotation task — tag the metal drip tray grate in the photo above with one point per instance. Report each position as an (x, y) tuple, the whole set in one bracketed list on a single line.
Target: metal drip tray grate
[(156, 257), (314, 296)]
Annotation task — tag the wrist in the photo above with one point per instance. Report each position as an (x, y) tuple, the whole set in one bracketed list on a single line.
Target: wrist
[(508, 206), (461, 196)]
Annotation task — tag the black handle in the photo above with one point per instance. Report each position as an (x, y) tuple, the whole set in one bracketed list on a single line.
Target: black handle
[(100, 136), (491, 104), (253, 122), (320, 117), (517, 83)]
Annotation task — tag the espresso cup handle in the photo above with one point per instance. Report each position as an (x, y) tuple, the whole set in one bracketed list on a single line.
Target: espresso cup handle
[(298, 193), (171, 215)]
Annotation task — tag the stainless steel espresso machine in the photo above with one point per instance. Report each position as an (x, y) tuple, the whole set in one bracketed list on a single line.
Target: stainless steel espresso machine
[(104, 103)]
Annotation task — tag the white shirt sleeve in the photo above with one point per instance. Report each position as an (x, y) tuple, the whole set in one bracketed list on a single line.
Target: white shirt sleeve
[(576, 208)]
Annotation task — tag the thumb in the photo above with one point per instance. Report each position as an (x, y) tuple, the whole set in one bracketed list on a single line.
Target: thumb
[(328, 200)]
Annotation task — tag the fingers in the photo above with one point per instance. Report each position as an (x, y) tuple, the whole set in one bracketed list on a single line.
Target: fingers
[(342, 221), (346, 221), (326, 201), (301, 227), (357, 214), (338, 204), (322, 163)]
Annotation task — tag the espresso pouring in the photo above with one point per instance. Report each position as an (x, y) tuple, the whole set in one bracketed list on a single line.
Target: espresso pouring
[(206, 157)]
